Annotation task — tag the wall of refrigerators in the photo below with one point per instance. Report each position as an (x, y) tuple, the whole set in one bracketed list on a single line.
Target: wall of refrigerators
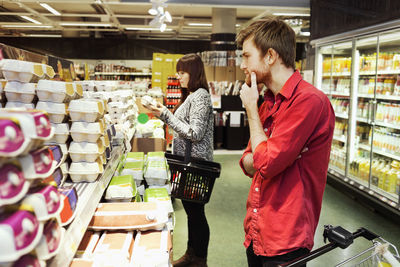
[(360, 73)]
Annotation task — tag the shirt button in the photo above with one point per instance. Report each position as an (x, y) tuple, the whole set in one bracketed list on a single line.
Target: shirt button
[(255, 210), (256, 189), (265, 129)]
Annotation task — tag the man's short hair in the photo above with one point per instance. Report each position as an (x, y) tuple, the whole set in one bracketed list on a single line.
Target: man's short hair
[(272, 33)]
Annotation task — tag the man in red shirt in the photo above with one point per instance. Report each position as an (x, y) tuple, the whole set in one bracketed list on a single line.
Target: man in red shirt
[(288, 153)]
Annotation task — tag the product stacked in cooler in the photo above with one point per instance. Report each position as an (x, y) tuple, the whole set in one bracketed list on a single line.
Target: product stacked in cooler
[(173, 92)]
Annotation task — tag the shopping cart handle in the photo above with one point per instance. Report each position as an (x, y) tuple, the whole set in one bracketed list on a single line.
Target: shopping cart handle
[(338, 235)]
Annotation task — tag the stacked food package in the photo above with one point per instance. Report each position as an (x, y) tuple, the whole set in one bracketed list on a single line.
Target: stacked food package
[(33, 205)]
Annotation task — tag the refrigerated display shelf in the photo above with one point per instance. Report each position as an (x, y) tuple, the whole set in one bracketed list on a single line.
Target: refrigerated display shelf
[(365, 120), (380, 97), (388, 125), (380, 72), (342, 115), (336, 171), (342, 138), (340, 94), (124, 73), (390, 196), (380, 152), (89, 195), (337, 74)]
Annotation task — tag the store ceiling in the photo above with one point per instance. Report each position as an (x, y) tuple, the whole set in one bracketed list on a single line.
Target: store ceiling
[(108, 18)]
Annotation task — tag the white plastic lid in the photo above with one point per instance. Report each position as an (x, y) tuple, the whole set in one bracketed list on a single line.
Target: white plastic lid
[(18, 87), (56, 87), (86, 106), (52, 108)]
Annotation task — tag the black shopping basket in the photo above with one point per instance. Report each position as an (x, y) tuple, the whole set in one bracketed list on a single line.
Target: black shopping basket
[(192, 179)]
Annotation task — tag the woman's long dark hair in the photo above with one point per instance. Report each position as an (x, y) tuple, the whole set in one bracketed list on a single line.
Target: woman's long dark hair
[(192, 64)]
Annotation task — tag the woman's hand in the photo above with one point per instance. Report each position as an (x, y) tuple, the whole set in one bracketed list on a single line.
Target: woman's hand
[(156, 110)]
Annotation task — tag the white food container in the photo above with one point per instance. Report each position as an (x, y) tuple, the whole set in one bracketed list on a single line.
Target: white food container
[(57, 111), (87, 85), (85, 152), (48, 71), (85, 171), (20, 92), (61, 133), (22, 71), (86, 131), (85, 110), (78, 88), (117, 107), (11, 104), (55, 91)]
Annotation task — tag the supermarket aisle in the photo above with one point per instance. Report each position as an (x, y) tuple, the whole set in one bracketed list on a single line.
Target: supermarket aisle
[(226, 210)]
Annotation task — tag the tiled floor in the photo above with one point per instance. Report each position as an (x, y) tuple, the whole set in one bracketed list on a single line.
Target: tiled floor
[(226, 210)]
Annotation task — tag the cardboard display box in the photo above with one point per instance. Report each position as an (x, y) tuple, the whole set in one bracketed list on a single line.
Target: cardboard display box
[(148, 144)]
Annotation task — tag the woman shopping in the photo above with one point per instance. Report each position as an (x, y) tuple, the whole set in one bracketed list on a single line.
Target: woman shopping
[(192, 121)]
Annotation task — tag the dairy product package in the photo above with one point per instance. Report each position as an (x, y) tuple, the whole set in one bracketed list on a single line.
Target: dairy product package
[(86, 110), (20, 232), (45, 201), (128, 216), (121, 188), (22, 71), (57, 111), (13, 142), (152, 248), (148, 102), (156, 172), (88, 244), (87, 85), (135, 169), (85, 152), (13, 185), (20, 92), (86, 131), (55, 91), (113, 248), (38, 164), (61, 133), (159, 195), (69, 197), (11, 104), (85, 171), (50, 243), (155, 156)]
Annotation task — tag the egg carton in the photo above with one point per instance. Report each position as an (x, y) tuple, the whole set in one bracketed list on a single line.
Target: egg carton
[(57, 111), (50, 243), (86, 131), (61, 133), (85, 171), (21, 105), (24, 71), (20, 92), (85, 152), (55, 91), (86, 110), (87, 85), (13, 185), (78, 89)]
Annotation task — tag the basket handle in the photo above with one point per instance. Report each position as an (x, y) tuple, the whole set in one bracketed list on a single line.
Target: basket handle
[(188, 150)]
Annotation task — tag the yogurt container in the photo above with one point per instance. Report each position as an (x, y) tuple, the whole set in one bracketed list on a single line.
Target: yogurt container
[(55, 91), (20, 92), (45, 201), (57, 111), (20, 232), (85, 171), (13, 185)]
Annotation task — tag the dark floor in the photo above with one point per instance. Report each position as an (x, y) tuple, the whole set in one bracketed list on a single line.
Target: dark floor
[(226, 210)]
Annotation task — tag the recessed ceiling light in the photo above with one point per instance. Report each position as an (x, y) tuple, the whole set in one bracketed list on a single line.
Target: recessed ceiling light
[(200, 24), (145, 29), (291, 14), (85, 24), (49, 8), (44, 35), (25, 26), (31, 19)]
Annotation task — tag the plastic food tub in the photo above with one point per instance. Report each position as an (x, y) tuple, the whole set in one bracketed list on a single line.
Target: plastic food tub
[(20, 92), (85, 171), (57, 111), (86, 131), (85, 152), (55, 91)]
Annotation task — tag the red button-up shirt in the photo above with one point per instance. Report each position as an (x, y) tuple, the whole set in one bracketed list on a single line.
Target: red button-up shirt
[(285, 197)]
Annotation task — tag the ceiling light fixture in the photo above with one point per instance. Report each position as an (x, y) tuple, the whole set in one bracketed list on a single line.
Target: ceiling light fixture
[(163, 27), (25, 26), (44, 35), (161, 16), (291, 14), (145, 29), (200, 24), (31, 19), (85, 24), (49, 8)]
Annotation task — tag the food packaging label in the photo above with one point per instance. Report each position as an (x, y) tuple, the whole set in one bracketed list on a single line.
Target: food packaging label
[(13, 185), (70, 199), (45, 201), (12, 140), (38, 164), (50, 241)]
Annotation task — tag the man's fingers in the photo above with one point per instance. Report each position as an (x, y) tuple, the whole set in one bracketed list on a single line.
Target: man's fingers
[(253, 80)]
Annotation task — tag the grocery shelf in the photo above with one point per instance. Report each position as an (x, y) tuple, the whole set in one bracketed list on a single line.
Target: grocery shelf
[(380, 152), (341, 94), (388, 125), (342, 138), (380, 72), (383, 194), (342, 115), (124, 73), (89, 195), (336, 171), (363, 120), (380, 97), (337, 74)]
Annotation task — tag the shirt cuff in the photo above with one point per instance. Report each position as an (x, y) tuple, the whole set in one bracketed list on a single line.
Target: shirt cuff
[(259, 155), (241, 164)]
